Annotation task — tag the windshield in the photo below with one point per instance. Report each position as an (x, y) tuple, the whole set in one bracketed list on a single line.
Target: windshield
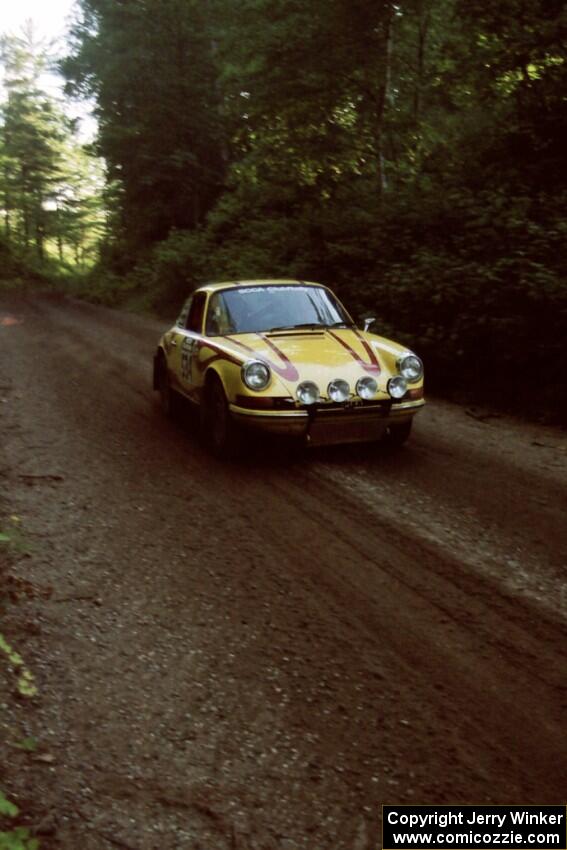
[(253, 309)]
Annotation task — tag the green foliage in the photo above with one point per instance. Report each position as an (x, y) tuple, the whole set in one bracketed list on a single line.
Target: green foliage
[(411, 155), (25, 684), (18, 838), (28, 745), (14, 537), (7, 809), (13, 836), (49, 186), (306, 86), (29, 139), (174, 269), (151, 67)]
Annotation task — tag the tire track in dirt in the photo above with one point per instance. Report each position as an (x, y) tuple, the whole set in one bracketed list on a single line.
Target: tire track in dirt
[(276, 650)]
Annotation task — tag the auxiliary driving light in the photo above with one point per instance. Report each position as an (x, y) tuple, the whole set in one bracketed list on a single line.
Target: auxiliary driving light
[(308, 393)]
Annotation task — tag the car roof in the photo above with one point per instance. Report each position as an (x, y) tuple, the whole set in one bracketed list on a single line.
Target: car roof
[(233, 284)]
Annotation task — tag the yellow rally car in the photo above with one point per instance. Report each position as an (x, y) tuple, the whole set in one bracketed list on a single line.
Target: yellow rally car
[(285, 357)]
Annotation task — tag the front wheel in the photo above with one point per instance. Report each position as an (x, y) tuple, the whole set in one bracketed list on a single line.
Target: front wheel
[(218, 428), (397, 435)]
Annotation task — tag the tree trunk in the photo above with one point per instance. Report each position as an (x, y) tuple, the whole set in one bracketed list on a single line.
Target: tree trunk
[(7, 206), (39, 241), (422, 33), (26, 224), (383, 98)]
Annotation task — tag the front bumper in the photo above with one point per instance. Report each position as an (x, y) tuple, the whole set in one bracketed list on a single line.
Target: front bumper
[(329, 424)]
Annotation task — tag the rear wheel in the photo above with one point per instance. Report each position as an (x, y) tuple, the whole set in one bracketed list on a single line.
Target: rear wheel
[(397, 435), (218, 428)]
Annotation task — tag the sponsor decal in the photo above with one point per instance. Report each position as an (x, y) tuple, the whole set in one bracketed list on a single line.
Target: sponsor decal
[(187, 348)]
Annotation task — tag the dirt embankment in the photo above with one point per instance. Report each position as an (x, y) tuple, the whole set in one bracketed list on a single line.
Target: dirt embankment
[(258, 655)]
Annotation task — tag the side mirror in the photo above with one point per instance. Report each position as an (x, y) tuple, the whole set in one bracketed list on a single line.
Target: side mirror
[(369, 320)]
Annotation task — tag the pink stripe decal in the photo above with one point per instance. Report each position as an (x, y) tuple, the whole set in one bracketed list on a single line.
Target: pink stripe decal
[(372, 366), (219, 355), (287, 371)]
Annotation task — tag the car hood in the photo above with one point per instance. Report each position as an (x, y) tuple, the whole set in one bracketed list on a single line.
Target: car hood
[(319, 355)]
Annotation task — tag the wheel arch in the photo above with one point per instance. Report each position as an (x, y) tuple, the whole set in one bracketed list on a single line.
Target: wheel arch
[(215, 373)]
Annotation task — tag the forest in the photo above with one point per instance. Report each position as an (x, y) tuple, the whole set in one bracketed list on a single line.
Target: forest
[(410, 154)]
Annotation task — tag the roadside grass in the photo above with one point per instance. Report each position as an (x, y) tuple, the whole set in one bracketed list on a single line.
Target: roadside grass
[(25, 682), (13, 836), (12, 537), (19, 837)]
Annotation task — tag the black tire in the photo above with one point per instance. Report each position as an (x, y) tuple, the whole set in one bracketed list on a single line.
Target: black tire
[(169, 400), (397, 435), (219, 431)]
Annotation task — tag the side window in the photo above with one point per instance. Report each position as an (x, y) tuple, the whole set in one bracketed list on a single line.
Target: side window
[(215, 325), (195, 319), (182, 320)]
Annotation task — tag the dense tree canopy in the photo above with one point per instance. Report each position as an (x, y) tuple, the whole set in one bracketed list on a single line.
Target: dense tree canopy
[(49, 186), (150, 68), (31, 133), (411, 154)]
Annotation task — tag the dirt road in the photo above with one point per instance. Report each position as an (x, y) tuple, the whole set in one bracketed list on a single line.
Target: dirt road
[(258, 655)]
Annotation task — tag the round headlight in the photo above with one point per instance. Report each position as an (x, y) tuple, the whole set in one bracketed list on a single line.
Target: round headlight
[(338, 390), (256, 375), (411, 367), (366, 387), (397, 387), (308, 393)]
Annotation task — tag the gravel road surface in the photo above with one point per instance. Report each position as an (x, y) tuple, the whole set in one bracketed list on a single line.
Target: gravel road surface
[(258, 655)]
